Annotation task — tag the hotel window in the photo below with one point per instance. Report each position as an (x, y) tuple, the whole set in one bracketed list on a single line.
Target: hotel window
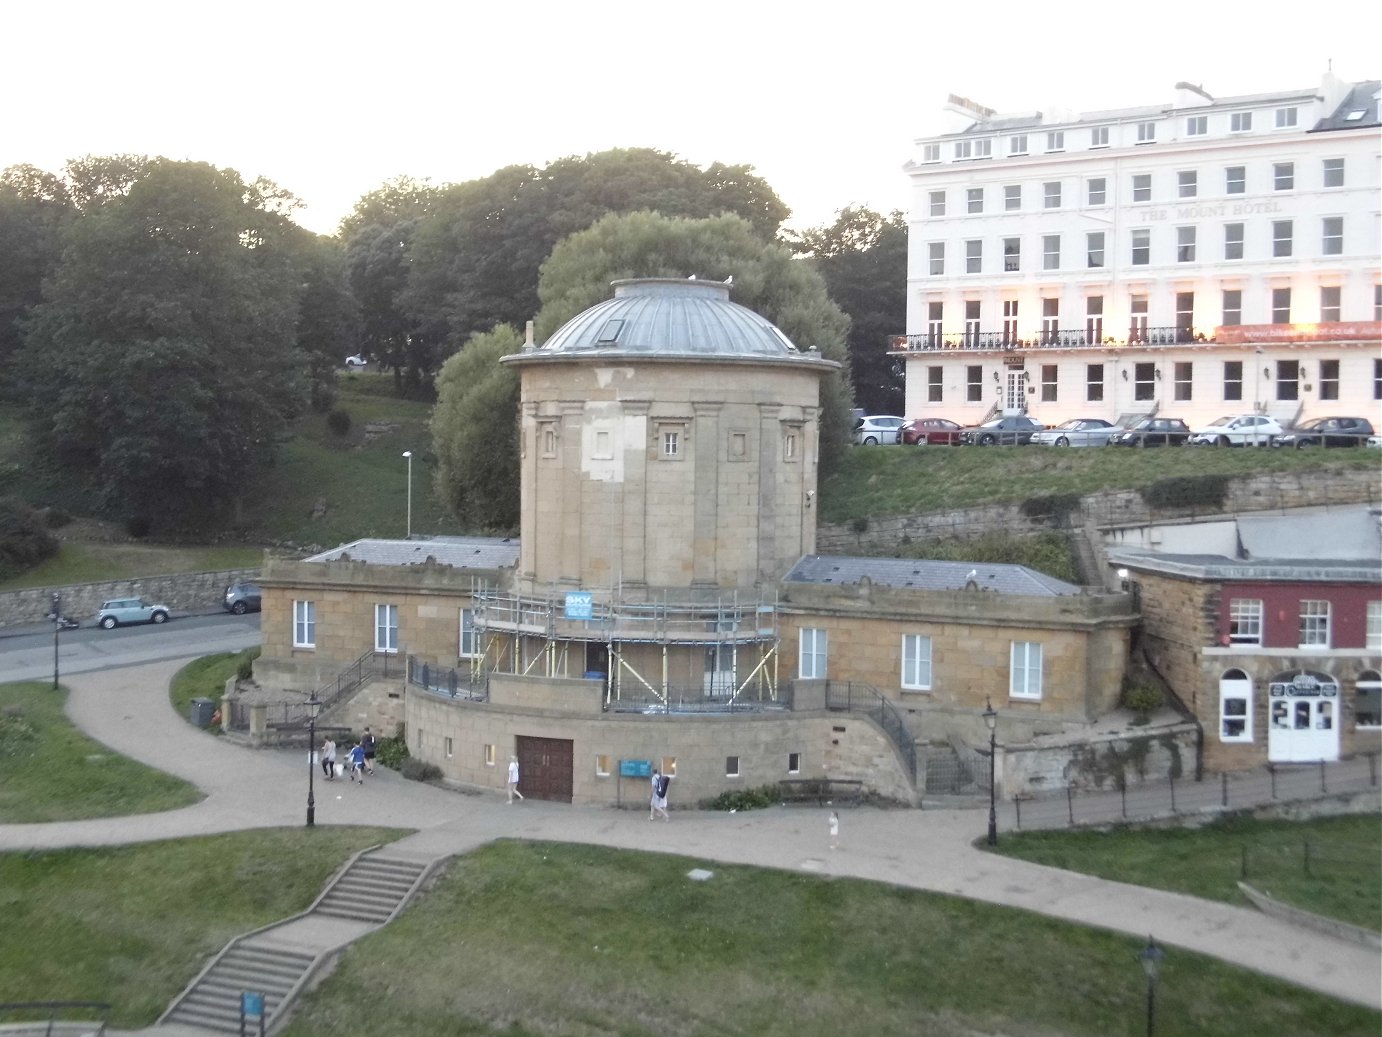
[(1367, 708), (1233, 307), (935, 251), (1055, 140), (1332, 240), (1285, 117), (1281, 307), (470, 644), (983, 148), (916, 662), (1329, 379), (1094, 249), (1185, 316), (1374, 641), (1094, 383), (1287, 377), (974, 309), (1009, 321), (1025, 673), (1235, 709), (1050, 320), (974, 199), (1235, 179), (1233, 379), (1012, 197), (934, 385), (1050, 194), (1197, 125), (1098, 137), (386, 629), (1137, 323), (1144, 381), (1017, 145), (974, 383), (1283, 176), (1233, 241), (1184, 378), (1377, 302), (935, 319), (1097, 190), (1240, 122), (930, 152), (1333, 172), (1146, 132), (1012, 254), (1281, 238), (1185, 244), (1094, 319), (1376, 379), (964, 149), (812, 658), (1187, 183), (1048, 383), (1244, 621), (670, 442), (1050, 252), (304, 624), (1142, 187), (937, 200), (1141, 246), (1314, 624), (974, 257), (1329, 303)]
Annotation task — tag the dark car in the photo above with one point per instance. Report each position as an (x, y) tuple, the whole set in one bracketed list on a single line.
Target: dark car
[(242, 597), (942, 431), (1154, 432), (1014, 429), (1326, 432)]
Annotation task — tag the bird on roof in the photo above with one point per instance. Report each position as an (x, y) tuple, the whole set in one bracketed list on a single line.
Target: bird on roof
[(973, 574), (729, 279)]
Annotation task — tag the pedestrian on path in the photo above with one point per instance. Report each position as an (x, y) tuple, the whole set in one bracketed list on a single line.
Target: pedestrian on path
[(513, 779), (834, 830), (658, 805), (357, 762), (329, 758), (367, 743)]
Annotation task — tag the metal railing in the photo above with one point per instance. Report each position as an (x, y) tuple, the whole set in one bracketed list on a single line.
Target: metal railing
[(1055, 338), (855, 697), (296, 712), (692, 699), (54, 1017), (447, 680)]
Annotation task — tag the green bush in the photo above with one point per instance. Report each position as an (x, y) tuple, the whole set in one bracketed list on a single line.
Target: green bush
[(746, 799), (392, 752), (1054, 507), (56, 518), (416, 770), (338, 421), (138, 526), (1187, 491), (244, 668), (1143, 699), (24, 542)]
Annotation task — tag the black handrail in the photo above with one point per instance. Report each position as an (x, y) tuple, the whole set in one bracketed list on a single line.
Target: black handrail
[(856, 697), (52, 1008)]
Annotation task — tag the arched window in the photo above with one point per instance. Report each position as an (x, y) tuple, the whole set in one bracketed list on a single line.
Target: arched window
[(1367, 702), (1235, 707)]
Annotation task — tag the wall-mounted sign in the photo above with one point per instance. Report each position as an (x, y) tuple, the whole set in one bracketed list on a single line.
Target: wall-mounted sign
[(1303, 685), (635, 768), (579, 604)]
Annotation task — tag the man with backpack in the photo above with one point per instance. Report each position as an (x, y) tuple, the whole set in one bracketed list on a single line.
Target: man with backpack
[(367, 744), (659, 801)]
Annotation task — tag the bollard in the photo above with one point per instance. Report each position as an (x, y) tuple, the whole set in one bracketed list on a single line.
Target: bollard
[(1272, 771), (1017, 800), (1323, 786), (1123, 795), (1372, 770), (1070, 804), (1172, 779), (1243, 864), (1223, 799)]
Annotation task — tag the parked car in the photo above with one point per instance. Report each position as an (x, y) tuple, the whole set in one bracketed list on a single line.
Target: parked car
[(1011, 430), (919, 431), (1238, 430), (1327, 432), (242, 597), (356, 361), (120, 611), (1078, 432), (1153, 432), (873, 429)]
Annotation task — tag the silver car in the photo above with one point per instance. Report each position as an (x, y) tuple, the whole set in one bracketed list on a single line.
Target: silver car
[(873, 429), (120, 611), (1077, 432)]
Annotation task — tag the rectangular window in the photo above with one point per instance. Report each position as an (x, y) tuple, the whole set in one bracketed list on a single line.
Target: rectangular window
[(1009, 321), (1094, 249), (983, 148), (1333, 172), (1050, 194), (811, 660), (1196, 125), (1283, 176), (974, 257), (916, 662), (1055, 140), (974, 309), (386, 628), (1025, 674), (935, 322), (1235, 179), (1094, 383), (1146, 132), (1187, 183), (1367, 710), (934, 385), (549, 439), (1235, 711), (1137, 325), (1017, 145), (1233, 379), (1244, 621), (1185, 316), (930, 152), (1376, 379), (1050, 320), (1096, 190), (489, 755), (974, 199), (1332, 236), (1285, 118), (1098, 137), (469, 647), (1374, 642), (1094, 319), (1141, 246), (1185, 244), (1012, 254), (789, 444), (935, 256), (1184, 379), (731, 766), (1288, 378), (1142, 187), (964, 149), (794, 763), (937, 200), (1240, 122), (1314, 624), (671, 444), (1329, 379), (304, 624), (1048, 383), (1281, 307), (1329, 303), (1233, 241), (1233, 307), (602, 765), (738, 446), (448, 746), (1144, 381), (1050, 252), (974, 383)]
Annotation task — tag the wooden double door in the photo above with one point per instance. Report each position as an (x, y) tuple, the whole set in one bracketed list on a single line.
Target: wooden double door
[(545, 768)]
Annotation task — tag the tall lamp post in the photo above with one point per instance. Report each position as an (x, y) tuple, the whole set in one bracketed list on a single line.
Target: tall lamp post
[(1150, 957), (409, 455), (991, 722), (313, 707), (57, 629)]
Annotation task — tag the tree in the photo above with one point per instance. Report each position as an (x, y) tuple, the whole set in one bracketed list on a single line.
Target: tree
[(328, 316), (162, 364), (34, 211)]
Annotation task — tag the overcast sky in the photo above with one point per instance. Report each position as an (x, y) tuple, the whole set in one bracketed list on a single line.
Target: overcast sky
[(825, 100)]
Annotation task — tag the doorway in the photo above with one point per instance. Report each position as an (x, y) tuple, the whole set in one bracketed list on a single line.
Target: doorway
[(545, 768), (1303, 719)]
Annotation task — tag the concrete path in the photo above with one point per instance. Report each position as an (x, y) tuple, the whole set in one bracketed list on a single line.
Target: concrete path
[(932, 849)]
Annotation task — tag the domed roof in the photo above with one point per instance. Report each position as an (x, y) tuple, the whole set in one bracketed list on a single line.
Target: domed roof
[(671, 318)]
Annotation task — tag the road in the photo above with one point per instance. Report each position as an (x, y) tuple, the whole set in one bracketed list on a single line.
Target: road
[(29, 655)]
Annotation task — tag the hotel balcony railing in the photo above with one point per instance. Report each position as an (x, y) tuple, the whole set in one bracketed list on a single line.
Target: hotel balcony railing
[(1063, 338)]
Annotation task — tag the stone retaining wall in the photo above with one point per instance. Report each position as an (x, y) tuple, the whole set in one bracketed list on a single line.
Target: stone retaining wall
[(181, 592)]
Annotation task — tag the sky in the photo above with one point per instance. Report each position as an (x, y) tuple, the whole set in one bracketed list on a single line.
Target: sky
[(823, 100)]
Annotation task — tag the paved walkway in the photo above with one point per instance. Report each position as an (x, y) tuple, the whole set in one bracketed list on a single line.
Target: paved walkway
[(932, 849)]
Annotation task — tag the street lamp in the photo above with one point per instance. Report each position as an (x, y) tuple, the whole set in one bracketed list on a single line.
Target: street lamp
[(57, 629), (409, 455), (313, 708), (991, 722), (1150, 957)]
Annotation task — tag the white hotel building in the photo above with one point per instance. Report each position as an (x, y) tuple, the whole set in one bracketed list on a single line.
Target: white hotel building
[(1203, 257)]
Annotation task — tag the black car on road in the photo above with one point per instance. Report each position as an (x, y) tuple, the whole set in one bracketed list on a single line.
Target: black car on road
[(1326, 432), (1010, 430), (1154, 432)]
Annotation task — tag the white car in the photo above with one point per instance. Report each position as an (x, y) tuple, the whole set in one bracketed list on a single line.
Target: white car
[(356, 361), (1077, 432), (873, 429), (1237, 430)]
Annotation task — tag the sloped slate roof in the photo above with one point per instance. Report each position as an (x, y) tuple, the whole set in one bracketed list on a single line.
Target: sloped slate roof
[(457, 552), (1362, 98), (922, 574)]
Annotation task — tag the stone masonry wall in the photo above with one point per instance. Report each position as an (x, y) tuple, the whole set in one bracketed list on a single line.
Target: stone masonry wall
[(181, 592)]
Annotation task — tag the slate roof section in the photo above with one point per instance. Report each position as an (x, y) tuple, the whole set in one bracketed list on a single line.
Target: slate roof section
[(457, 552), (923, 574), (1362, 98)]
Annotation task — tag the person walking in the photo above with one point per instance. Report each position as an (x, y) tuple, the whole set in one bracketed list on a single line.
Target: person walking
[(658, 804), (329, 758), (357, 762), (834, 830), (513, 779), (367, 743)]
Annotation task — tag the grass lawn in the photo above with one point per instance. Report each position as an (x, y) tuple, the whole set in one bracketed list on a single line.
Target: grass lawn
[(205, 678), (133, 925), (84, 562), (1345, 879), (537, 938), (50, 771)]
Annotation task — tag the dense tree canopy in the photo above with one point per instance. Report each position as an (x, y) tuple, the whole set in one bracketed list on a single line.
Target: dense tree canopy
[(34, 212)]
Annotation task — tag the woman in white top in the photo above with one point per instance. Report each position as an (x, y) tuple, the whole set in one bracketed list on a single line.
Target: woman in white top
[(513, 779)]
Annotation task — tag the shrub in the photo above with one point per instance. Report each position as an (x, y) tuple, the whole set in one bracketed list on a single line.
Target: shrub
[(1055, 507), (1187, 491), (393, 753), (244, 669), (1143, 699), (24, 542), (138, 526), (747, 799), (56, 518), (338, 421), (859, 525), (416, 770)]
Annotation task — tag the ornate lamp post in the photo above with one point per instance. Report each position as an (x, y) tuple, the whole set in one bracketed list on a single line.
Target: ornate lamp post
[(409, 455), (1150, 957), (313, 708), (991, 722)]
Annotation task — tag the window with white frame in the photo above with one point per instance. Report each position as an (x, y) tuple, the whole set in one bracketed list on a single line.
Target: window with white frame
[(669, 444), (603, 765), (1025, 674), (1235, 707), (1050, 194), (1185, 244), (1232, 307), (1196, 125), (935, 385), (983, 148), (1329, 376), (1048, 383), (1146, 132), (1330, 304), (1283, 176), (1017, 144), (1374, 642), (1187, 183), (1281, 311), (1096, 190), (1142, 187), (974, 383), (1184, 380), (1012, 197), (811, 659), (1137, 324), (1012, 254), (935, 257), (1098, 137), (470, 644), (1332, 236), (1050, 252), (1094, 249), (974, 257), (1240, 122), (794, 763), (1333, 172), (1050, 319), (1233, 369), (1235, 179), (304, 624), (1285, 118), (974, 199), (935, 321), (386, 628), (1094, 382), (1244, 621), (964, 149), (1367, 703), (1094, 319), (1144, 381), (731, 766), (1055, 140), (1009, 320), (916, 662), (930, 152), (937, 203), (1141, 246), (1314, 624), (1287, 371), (1233, 241)]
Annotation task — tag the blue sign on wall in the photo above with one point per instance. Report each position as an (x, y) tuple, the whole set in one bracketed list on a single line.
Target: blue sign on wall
[(578, 604), (635, 768)]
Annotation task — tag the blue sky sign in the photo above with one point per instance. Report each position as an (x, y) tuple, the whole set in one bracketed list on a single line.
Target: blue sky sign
[(578, 604)]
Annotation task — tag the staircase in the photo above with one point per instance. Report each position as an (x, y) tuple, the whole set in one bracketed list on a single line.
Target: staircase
[(213, 1002), (371, 889)]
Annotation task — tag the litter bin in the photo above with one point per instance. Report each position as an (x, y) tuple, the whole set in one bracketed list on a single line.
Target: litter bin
[(201, 711)]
